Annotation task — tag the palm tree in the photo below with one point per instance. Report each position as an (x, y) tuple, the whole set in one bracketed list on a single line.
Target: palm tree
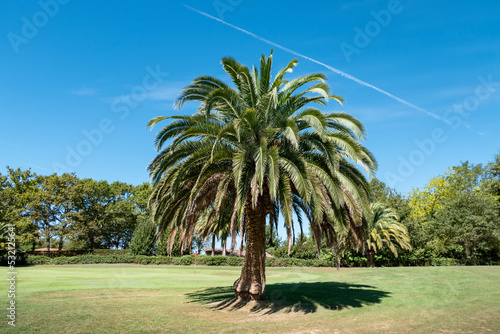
[(384, 228), (257, 148)]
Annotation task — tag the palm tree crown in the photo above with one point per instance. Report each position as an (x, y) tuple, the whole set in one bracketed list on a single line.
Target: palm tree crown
[(253, 150), (384, 229)]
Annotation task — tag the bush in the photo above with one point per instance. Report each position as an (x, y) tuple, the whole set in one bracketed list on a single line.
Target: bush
[(306, 251), (144, 239), (111, 252), (33, 260), (293, 262), (162, 260), (443, 261), (358, 261), (215, 260), (235, 261), (327, 256), (185, 260)]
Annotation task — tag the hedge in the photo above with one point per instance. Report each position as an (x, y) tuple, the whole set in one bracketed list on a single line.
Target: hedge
[(185, 260)]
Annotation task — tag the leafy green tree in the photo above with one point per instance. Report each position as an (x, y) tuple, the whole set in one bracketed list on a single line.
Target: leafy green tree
[(17, 189), (3, 234), (384, 230), (93, 204), (436, 214), (123, 215), (493, 171), (140, 198), (51, 206), (5, 199), (258, 148), (119, 228), (106, 214), (470, 220), (144, 239)]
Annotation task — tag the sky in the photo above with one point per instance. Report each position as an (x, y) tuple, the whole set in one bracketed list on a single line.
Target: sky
[(79, 80)]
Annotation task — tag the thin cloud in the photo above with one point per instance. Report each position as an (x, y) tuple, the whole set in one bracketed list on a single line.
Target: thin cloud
[(333, 69), (84, 92), (165, 93)]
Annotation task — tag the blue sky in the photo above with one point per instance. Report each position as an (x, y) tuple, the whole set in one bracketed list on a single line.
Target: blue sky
[(79, 80)]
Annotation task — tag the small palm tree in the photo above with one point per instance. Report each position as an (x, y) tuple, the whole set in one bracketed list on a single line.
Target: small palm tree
[(257, 148), (384, 229)]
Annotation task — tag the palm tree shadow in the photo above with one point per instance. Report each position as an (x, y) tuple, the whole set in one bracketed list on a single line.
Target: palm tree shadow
[(295, 297)]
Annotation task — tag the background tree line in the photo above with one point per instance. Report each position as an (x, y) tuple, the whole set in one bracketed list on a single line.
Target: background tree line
[(65, 212), (453, 219)]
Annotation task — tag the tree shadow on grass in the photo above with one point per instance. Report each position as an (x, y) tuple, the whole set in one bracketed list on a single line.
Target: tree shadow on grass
[(303, 297)]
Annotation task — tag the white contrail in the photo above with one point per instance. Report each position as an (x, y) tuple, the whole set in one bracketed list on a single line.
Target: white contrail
[(333, 69)]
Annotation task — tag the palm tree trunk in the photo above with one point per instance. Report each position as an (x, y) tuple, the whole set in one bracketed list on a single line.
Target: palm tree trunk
[(289, 239), (317, 238), (370, 255), (242, 235), (252, 282), (336, 249), (233, 242), (213, 244), (224, 247), (336, 254)]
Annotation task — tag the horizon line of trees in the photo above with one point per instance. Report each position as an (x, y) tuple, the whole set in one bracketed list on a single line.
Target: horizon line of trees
[(65, 212), (453, 219)]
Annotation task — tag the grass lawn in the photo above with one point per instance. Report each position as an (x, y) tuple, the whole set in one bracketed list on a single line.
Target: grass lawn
[(172, 299)]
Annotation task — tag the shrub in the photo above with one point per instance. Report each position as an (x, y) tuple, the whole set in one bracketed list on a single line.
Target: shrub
[(33, 260), (357, 261), (443, 261), (144, 239), (69, 260), (293, 262), (281, 251), (235, 261), (215, 261), (111, 252), (142, 259), (327, 256), (164, 260), (185, 260)]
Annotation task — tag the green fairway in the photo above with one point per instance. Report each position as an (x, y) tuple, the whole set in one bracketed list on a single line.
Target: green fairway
[(173, 299)]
